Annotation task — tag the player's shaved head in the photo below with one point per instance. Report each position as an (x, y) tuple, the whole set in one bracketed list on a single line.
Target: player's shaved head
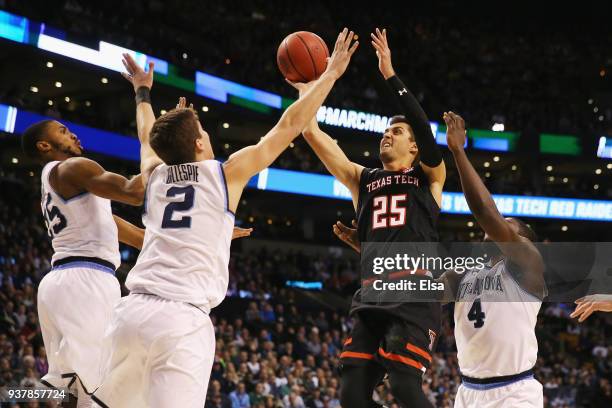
[(173, 136)]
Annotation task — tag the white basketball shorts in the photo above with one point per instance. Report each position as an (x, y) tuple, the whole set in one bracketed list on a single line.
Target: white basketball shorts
[(162, 356), (75, 307)]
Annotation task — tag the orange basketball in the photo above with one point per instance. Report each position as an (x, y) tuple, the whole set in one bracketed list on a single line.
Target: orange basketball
[(302, 56)]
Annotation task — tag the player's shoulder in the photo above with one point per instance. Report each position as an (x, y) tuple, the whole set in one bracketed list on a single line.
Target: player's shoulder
[(75, 167)]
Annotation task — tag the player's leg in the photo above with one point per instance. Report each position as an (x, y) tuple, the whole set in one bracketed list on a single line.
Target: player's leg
[(406, 352), (360, 370), (52, 337), (358, 383), (124, 373), (181, 359), (407, 389)]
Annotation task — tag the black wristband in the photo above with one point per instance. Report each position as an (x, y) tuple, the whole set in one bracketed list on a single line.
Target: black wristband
[(143, 94)]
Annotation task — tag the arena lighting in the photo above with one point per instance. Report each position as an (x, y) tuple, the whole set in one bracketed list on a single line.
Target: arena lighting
[(604, 148), (225, 125), (58, 84), (304, 285), (21, 29), (49, 64), (112, 144), (34, 89), (498, 127)]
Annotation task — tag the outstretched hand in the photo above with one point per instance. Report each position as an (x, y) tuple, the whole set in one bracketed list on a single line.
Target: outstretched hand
[(341, 56), (135, 74), (592, 303), (182, 103), (348, 235), (241, 232), (380, 44), (455, 131)]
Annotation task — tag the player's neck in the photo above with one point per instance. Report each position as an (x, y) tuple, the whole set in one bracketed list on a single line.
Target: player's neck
[(397, 165)]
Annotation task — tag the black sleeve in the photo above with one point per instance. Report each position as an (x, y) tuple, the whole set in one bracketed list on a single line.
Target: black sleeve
[(428, 149)]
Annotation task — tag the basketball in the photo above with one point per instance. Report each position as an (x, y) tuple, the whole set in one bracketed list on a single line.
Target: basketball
[(302, 56)]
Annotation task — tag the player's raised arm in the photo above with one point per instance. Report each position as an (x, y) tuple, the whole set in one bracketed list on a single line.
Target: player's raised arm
[(247, 162), (519, 249), (142, 82), (328, 151), (430, 155)]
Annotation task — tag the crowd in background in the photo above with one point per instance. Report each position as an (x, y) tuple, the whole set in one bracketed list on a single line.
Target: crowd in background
[(531, 74), (274, 349), (537, 79)]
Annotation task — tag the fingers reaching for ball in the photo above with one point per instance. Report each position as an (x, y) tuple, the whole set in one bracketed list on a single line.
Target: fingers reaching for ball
[(343, 51)]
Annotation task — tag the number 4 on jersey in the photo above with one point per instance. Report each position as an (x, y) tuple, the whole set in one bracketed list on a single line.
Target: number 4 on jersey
[(476, 314)]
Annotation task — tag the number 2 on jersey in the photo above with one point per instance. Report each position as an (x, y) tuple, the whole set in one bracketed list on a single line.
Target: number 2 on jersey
[(185, 205), (387, 211), (476, 314)]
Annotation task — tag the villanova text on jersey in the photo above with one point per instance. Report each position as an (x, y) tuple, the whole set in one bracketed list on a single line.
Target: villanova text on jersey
[(182, 172), (491, 282)]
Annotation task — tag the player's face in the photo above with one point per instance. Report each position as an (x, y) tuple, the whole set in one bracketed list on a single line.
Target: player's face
[(397, 143), (203, 147), (60, 139)]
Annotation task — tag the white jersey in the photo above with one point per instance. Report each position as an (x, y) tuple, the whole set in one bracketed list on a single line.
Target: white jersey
[(81, 226), (188, 234), (495, 324)]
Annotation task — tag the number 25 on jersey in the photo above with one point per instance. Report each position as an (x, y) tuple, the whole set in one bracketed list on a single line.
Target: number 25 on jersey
[(389, 211)]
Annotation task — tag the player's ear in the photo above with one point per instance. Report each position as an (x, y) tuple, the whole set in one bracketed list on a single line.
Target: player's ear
[(43, 146)]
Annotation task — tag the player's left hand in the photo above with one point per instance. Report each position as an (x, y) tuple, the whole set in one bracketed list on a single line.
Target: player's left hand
[(380, 44), (455, 131), (348, 235), (592, 303), (135, 74), (241, 232)]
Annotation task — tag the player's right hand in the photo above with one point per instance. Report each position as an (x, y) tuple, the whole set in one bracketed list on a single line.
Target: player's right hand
[(135, 74), (348, 235), (343, 51), (592, 303), (455, 131)]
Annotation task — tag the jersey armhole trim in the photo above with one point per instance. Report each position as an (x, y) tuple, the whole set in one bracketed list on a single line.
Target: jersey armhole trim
[(226, 204), (146, 193), (525, 291), (54, 191)]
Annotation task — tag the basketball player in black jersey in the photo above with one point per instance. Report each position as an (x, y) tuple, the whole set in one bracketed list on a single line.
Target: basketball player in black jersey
[(397, 203)]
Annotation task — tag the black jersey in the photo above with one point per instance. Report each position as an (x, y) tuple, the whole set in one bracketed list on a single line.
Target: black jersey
[(397, 206)]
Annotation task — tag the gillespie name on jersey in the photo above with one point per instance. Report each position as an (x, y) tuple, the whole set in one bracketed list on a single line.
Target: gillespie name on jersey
[(182, 172)]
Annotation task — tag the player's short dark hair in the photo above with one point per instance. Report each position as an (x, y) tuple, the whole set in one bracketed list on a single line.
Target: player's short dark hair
[(32, 135), (525, 230), (402, 119), (173, 136)]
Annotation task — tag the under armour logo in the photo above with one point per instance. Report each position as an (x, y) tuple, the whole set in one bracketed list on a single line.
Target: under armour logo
[(402, 91)]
